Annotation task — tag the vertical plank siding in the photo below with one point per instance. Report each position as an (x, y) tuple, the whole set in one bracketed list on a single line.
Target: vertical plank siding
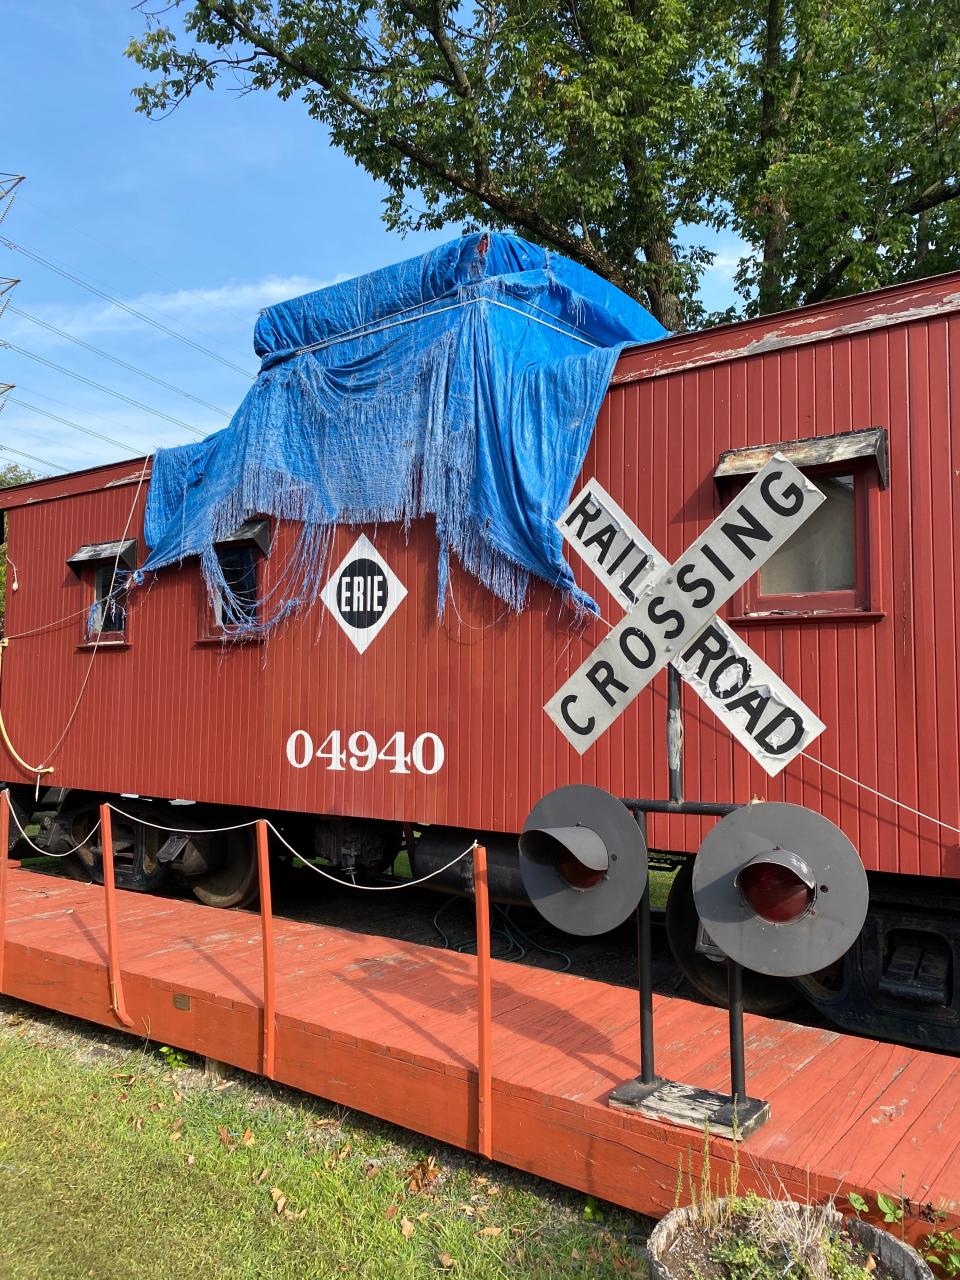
[(170, 716)]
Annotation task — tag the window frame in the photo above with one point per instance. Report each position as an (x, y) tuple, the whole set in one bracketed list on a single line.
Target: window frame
[(89, 571), (749, 605), (253, 536)]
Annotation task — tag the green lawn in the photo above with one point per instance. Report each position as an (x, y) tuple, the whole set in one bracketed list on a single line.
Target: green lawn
[(120, 1169)]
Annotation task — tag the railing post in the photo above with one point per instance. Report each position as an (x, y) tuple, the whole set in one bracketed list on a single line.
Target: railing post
[(4, 859), (481, 897), (110, 899), (266, 933)]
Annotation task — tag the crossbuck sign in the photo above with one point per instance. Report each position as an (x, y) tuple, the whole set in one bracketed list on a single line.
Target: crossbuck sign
[(671, 617)]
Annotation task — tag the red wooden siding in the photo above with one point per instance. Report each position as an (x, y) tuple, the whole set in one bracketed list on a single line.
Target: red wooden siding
[(167, 717)]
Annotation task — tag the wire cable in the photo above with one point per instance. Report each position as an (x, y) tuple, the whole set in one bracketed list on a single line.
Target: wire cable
[(947, 826), (98, 351), (118, 395), (116, 302), (7, 448), (55, 417), (47, 852)]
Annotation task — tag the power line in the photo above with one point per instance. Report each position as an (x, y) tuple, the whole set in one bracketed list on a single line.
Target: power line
[(114, 249), (44, 324), (6, 448), (118, 395), (87, 431), (124, 306)]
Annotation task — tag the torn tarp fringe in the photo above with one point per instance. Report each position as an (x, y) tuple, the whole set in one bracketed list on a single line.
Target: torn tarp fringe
[(463, 384)]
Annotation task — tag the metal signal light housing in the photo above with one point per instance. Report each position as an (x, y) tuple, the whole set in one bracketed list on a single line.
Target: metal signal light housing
[(583, 860), (798, 853)]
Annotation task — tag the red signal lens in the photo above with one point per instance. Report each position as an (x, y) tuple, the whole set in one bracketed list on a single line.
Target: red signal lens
[(775, 892)]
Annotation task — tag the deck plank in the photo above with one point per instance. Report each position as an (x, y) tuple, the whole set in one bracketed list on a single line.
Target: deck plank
[(390, 1028)]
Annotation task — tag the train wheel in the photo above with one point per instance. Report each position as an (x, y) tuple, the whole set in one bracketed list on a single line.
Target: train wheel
[(233, 882), (761, 994), (86, 863)]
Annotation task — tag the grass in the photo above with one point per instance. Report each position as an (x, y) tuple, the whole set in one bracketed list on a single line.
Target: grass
[(119, 1168)]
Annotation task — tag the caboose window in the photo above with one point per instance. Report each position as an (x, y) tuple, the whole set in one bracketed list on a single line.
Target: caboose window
[(240, 557), (104, 570), (822, 554), (108, 613), (237, 607), (825, 566)]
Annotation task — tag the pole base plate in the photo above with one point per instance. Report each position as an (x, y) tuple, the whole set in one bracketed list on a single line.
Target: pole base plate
[(691, 1108)]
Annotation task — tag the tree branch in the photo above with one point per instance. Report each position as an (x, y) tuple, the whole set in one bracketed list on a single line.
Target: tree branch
[(520, 215), (938, 193)]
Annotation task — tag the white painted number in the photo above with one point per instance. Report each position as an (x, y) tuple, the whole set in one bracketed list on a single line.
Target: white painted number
[(398, 755), (299, 749), (362, 752), (416, 755)]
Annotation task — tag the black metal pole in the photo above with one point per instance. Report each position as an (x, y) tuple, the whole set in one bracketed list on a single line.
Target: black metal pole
[(644, 964), (674, 734), (738, 1076)]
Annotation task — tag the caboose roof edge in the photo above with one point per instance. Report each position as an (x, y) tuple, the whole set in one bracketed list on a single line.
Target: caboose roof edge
[(838, 317), (48, 488)]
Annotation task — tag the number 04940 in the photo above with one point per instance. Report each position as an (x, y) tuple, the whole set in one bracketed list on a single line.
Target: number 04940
[(361, 752)]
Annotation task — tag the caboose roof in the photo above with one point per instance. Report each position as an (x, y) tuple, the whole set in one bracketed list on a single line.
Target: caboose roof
[(838, 317)]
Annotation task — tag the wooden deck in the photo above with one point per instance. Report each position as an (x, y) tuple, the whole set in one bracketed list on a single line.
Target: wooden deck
[(390, 1028)]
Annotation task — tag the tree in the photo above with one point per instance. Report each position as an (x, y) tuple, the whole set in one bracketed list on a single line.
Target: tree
[(825, 133), (10, 474)]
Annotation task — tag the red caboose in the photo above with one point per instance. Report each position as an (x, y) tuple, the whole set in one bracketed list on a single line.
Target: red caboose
[(366, 715)]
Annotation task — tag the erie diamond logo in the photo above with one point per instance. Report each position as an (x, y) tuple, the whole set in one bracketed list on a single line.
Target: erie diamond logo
[(363, 593)]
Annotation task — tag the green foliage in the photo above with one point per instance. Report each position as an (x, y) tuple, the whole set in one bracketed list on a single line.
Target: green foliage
[(111, 1168), (761, 1239), (891, 1209), (174, 1058), (825, 133), (942, 1250), (857, 1203), (10, 475)]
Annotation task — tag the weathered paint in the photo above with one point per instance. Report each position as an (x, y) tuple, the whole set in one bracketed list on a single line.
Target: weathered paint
[(176, 716)]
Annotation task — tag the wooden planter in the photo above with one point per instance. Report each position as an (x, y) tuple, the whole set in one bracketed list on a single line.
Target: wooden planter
[(901, 1260)]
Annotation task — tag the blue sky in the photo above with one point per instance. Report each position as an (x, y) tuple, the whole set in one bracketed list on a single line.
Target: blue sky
[(231, 204)]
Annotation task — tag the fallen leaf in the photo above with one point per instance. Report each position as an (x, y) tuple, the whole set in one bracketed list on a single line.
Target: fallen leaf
[(137, 1122), (323, 1122), (191, 1159), (262, 1176), (156, 1106), (446, 1261), (177, 1125), (371, 1171), (176, 1136), (469, 1210), (490, 1231), (293, 1217), (574, 1255), (420, 1175), (248, 1139), (224, 1136), (406, 1226), (391, 1211), (422, 1217), (279, 1199), (177, 1095), (870, 1264), (123, 1097), (224, 1084)]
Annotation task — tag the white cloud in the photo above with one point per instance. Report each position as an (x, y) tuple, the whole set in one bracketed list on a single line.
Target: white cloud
[(224, 311)]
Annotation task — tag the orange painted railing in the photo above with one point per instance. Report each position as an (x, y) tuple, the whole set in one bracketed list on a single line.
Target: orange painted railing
[(269, 973), (269, 1033), (4, 850), (481, 897), (110, 900)]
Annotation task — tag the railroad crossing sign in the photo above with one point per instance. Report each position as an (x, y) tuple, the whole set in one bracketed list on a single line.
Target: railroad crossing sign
[(671, 617)]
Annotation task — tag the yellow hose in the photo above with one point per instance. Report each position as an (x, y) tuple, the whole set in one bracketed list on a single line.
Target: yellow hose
[(27, 768)]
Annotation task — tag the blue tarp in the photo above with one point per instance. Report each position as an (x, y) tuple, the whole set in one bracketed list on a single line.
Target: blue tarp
[(463, 384)]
